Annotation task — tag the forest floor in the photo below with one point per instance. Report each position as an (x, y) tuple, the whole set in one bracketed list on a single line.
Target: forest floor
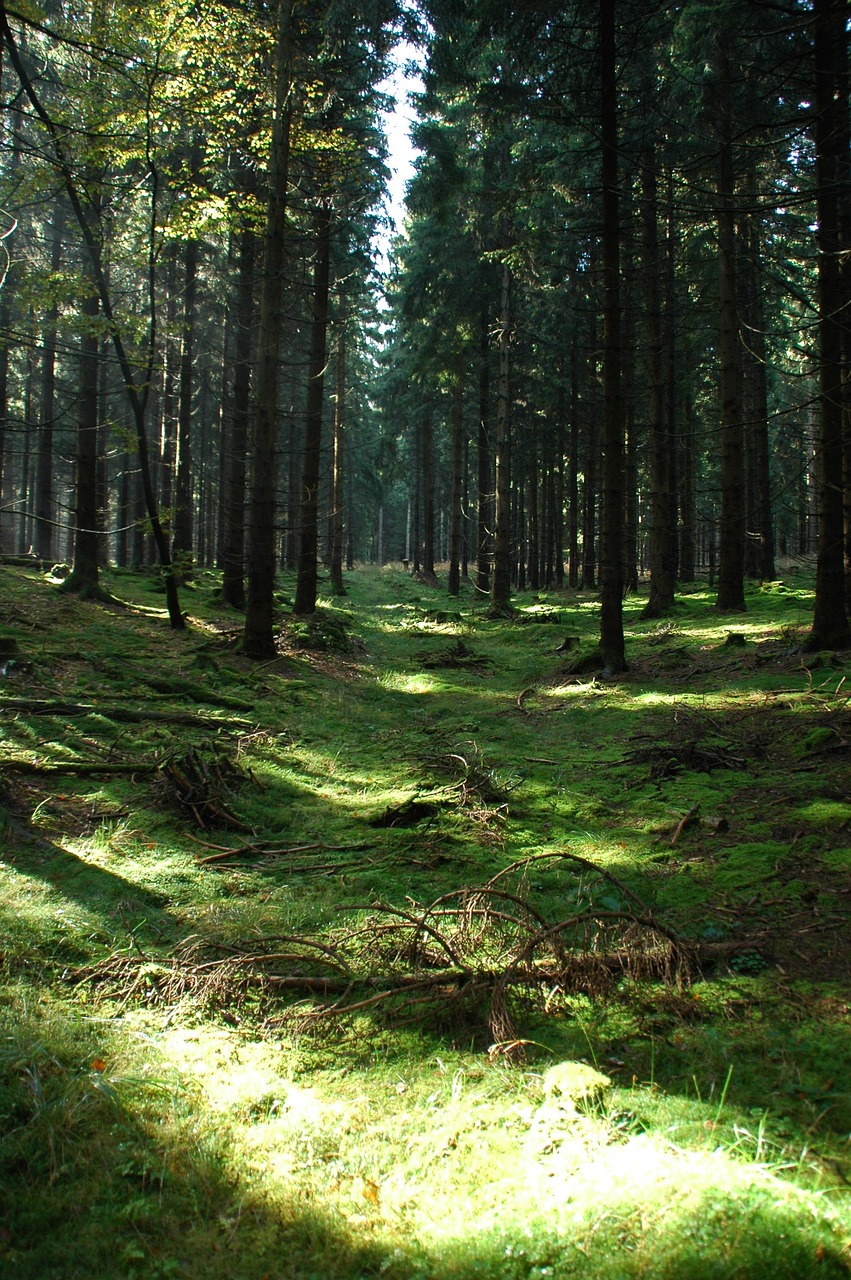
[(295, 957)]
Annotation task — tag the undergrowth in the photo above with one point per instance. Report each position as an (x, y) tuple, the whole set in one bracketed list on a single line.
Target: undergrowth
[(192, 844)]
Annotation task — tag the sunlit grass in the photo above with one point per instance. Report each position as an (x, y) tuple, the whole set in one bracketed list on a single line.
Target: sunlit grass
[(236, 1142)]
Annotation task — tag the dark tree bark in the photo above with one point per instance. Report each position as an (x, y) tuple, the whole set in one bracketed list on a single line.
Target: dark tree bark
[(169, 398), (236, 431), (258, 637), (305, 594), (456, 513), (45, 539), (184, 505), (590, 466), (661, 535), (731, 547), (338, 463), (483, 459), (687, 504), (631, 428), (611, 595), (84, 576), (427, 440), (830, 627), (760, 521), (533, 554), (501, 580), (573, 471)]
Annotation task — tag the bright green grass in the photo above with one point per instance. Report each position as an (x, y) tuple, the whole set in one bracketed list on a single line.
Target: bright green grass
[(206, 1140)]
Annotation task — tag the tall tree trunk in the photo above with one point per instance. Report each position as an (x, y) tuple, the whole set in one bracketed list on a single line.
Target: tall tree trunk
[(687, 504), (169, 406), (45, 539), (236, 432), (184, 504), (573, 470), (24, 543), (628, 397), (534, 545), (428, 495), (830, 627), (456, 512), (483, 460), (501, 581), (661, 535), (760, 522), (338, 463), (590, 466), (611, 594), (305, 593), (84, 576), (731, 547), (258, 638)]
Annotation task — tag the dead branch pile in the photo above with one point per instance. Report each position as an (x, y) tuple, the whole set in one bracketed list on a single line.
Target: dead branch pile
[(200, 784), (667, 758), (458, 655), (483, 954)]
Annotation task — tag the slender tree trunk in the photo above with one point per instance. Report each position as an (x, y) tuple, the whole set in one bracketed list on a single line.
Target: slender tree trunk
[(305, 594), (45, 515), (611, 595), (184, 505), (84, 577), (483, 460), (573, 471), (760, 522), (830, 629), (501, 582), (456, 513), (661, 535), (169, 406), (236, 434), (259, 638), (687, 504), (24, 542), (416, 542), (669, 338), (731, 549), (338, 465), (630, 422), (590, 467), (428, 496), (534, 508)]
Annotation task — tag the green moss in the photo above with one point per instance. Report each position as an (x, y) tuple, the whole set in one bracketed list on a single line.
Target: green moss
[(825, 814), (308, 1149)]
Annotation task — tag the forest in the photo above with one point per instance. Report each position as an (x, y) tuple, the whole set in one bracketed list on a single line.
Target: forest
[(424, 804)]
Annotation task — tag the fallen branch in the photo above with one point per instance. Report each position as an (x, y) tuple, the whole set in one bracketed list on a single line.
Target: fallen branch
[(688, 820), (483, 952), (81, 768), (522, 695), (258, 850), (127, 715)]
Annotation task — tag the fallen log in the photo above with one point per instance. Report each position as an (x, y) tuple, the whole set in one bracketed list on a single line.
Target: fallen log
[(128, 715)]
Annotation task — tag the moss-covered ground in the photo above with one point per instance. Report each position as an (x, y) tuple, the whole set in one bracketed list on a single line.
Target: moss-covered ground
[(163, 802)]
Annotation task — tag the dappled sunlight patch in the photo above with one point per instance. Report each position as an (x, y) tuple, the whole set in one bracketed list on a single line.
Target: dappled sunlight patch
[(236, 1074), (417, 682)]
